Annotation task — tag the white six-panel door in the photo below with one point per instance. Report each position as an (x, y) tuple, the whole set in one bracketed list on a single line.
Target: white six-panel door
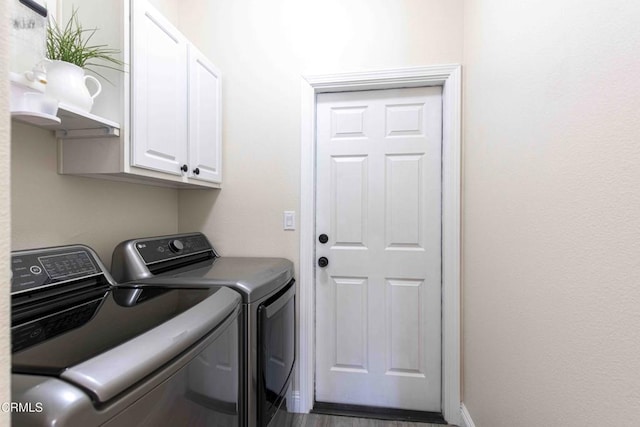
[(378, 199)]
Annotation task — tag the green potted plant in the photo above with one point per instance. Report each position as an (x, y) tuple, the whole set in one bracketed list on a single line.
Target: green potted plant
[(69, 53)]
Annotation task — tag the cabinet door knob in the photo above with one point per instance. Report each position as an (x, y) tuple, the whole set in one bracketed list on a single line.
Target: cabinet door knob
[(323, 238), (196, 171), (323, 262), (184, 168)]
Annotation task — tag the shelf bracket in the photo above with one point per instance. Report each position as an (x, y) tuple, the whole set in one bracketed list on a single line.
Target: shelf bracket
[(101, 132)]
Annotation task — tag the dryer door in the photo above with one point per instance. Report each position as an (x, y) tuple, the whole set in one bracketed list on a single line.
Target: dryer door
[(276, 343)]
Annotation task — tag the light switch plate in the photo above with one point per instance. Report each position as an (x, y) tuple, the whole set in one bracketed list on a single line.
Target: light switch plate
[(289, 220)]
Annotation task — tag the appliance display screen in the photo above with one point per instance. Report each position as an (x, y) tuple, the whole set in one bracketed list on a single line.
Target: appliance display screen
[(35, 270), (68, 265)]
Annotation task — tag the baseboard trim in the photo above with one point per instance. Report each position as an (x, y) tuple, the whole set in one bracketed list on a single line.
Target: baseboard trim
[(293, 402), (390, 414), (466, 417)]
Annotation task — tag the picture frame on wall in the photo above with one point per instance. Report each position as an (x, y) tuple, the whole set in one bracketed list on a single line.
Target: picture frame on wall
[(28, 31)]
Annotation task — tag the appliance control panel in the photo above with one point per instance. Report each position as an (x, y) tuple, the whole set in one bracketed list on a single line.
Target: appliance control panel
[(34, 269), (169, 247)]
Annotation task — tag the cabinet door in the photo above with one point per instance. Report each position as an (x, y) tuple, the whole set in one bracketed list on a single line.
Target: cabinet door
[(205, 133), (159, 91)]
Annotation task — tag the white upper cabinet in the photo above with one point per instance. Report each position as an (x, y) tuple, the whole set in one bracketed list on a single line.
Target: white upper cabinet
[(168, 103), (159, 92), (205, 150)]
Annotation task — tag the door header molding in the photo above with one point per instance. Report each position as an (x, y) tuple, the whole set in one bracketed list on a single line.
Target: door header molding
[(381, 79), (449, 77)]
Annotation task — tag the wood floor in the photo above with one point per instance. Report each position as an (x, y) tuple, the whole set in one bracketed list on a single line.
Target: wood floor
[(317, 420)]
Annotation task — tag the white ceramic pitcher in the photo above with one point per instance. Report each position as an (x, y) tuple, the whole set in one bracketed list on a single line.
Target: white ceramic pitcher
[(66, 82)]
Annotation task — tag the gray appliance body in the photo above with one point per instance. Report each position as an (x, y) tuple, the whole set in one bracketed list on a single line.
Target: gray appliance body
[(86, 352), (267, 288)]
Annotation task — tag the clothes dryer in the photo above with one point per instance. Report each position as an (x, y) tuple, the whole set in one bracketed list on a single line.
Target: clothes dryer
[(267, 317)]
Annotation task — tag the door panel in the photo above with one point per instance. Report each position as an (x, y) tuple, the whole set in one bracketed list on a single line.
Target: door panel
[(159, 88), (350, 324), (349, 189), (378, 199), (205, 118), (403, 202)]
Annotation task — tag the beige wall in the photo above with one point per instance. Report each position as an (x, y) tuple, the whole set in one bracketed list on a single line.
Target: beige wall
[(552, 212), (262, 49), (51, 209), (5, 212)]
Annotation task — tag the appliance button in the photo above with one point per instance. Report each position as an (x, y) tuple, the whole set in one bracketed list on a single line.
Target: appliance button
[(35, 269), (176, 246)]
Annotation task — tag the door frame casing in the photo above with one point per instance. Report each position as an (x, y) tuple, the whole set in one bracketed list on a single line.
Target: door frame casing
[(449, 77)]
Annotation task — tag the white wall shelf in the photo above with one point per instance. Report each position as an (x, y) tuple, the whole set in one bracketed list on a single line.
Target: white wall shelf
[(36, 119), (70, 123), (78, 124)]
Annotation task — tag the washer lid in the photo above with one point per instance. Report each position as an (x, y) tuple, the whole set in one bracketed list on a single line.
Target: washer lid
[(133, 333), (253, 278)]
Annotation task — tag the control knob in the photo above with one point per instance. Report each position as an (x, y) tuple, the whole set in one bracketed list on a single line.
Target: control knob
[(176, 246)]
